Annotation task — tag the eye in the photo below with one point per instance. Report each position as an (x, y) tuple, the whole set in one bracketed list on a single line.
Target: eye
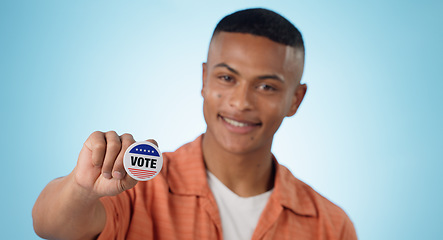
[(266, 87), (226, 78)]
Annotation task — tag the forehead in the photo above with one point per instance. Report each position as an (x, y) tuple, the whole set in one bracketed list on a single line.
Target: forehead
[(254, 53)]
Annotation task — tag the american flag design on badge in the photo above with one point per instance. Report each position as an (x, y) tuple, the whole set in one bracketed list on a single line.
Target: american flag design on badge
[(143, 161)]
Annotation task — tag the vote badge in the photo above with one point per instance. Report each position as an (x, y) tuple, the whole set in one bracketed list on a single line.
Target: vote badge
[(143, 161)]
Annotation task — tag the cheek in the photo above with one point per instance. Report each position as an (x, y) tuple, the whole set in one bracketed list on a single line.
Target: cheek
[(213, 94), (212, 98), (274, 110), (274, 107)]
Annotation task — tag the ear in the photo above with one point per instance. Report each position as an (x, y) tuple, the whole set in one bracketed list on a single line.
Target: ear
[(297, 98), (204, 67)]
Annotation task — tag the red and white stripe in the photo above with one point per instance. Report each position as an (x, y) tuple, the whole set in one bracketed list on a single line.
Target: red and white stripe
[(142, 174)]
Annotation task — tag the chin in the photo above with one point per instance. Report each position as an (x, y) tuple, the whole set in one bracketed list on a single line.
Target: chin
[(239, 145)]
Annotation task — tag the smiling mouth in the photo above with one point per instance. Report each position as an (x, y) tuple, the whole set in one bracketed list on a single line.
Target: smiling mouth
[(236, 123)]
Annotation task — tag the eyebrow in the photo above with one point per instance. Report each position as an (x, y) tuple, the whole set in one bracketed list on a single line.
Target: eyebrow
[(263, 77), (228, 67), (272, 76)]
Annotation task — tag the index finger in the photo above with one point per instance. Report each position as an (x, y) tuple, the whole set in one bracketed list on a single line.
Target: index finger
[(118, 170)]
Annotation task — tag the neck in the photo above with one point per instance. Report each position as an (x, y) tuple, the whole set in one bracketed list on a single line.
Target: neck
[(246, 174)]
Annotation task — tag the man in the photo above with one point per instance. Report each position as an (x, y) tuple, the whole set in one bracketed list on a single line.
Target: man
[(225, 184)]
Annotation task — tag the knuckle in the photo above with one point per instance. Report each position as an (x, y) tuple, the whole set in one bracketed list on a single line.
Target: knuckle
[(127, 136), (114, 145), (96, 133), (99, 146), (154, 142), (96, 162), (127, 139), (112, 132)]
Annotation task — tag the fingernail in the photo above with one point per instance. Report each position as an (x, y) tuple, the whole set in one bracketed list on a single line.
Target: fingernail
[(107, 175), (118, 174)]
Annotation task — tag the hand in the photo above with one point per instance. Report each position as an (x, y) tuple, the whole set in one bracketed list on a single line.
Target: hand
[(100, 169)]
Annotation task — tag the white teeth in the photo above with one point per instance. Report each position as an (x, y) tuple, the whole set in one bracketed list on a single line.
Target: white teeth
[(235, 123)]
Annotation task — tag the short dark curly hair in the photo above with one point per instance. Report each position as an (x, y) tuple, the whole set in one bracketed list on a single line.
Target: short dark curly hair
[(262, 22)]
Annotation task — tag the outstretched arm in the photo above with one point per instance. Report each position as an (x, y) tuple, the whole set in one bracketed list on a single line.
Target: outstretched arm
[(70, 207)]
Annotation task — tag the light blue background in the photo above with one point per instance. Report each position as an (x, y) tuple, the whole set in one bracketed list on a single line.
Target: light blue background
[(368, 135)]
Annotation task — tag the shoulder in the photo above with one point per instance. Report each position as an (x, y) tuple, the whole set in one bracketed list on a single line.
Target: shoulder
[(302, 199)]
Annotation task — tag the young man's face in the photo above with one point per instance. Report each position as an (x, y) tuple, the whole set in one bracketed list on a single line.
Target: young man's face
[(250, 84)]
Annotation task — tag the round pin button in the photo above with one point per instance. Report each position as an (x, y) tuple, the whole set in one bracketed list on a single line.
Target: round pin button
[(143, 161)]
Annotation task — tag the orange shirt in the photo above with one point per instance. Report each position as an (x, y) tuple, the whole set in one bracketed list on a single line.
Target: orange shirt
[(178, 204)]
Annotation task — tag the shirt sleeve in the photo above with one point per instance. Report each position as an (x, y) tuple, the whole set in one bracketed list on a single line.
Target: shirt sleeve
[(118, 214)]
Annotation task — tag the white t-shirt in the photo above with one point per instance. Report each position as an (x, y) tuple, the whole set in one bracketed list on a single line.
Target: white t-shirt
[(239, 215)]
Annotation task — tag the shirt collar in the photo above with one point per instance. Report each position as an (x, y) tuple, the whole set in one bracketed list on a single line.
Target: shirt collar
[(292, 193), (186, 175)]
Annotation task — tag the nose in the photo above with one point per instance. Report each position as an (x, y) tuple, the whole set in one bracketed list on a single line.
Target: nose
[(242, 98)]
